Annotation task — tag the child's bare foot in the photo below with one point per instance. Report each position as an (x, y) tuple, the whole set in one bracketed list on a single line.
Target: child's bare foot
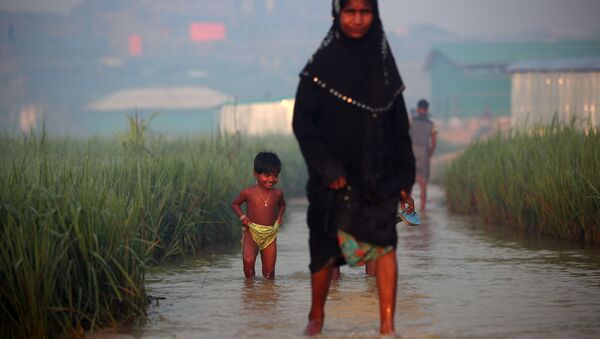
[(314, 326)]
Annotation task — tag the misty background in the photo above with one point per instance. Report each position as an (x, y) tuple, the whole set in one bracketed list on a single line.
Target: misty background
[(81, 66)]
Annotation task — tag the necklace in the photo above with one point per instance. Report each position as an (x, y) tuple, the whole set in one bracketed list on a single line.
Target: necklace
[(261, 196)]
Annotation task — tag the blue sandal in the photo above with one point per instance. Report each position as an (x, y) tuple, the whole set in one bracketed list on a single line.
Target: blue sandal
[(411, 219)]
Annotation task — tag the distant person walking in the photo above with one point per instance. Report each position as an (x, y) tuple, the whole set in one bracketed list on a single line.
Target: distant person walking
[(424, 138)]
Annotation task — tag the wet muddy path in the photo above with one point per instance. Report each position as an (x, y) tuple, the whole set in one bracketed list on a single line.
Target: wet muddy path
[(457, 279)]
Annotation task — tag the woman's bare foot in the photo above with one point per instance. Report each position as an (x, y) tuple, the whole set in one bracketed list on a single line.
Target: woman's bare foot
[(314, 326), (388, 331)]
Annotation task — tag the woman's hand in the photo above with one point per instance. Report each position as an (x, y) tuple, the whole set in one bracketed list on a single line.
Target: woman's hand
[(338, 183), (406, 202)]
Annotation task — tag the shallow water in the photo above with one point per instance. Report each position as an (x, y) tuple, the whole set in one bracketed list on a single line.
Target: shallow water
[(457, 279)]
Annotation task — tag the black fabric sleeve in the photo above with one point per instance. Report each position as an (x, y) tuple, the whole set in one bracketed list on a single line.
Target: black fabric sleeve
[(305, 124), (404, 146)]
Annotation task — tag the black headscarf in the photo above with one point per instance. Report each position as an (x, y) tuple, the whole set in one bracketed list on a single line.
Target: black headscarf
[(361, 72)]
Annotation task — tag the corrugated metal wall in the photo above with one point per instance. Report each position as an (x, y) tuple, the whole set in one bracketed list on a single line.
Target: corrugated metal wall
[(537, 97)]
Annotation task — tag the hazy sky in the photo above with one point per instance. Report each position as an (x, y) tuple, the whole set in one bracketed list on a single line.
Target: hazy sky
[(465, 17), (51, 6), (496, 17)]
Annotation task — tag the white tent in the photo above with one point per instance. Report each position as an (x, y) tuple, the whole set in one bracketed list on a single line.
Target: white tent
[(160, 98), (258, 118)]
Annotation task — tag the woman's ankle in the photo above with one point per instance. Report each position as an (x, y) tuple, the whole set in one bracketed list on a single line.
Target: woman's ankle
[(387, 329), (312, 315)]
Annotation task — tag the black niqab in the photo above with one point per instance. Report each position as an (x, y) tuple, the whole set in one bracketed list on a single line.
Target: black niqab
[(361, 69)]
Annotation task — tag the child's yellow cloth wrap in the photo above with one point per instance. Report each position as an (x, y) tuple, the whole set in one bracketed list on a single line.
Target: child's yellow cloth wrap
[(263, 235)]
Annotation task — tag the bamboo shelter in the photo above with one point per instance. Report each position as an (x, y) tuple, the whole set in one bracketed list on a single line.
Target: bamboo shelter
[(564, 89)]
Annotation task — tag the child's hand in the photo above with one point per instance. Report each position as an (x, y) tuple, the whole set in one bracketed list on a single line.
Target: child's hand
[(406, 202), (278, 221), (245, 221)]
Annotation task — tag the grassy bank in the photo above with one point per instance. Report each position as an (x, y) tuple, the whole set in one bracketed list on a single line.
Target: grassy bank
[(81, 220), (545, 182)]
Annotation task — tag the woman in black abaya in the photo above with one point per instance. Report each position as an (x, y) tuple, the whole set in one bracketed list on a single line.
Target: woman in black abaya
[(351, 123)]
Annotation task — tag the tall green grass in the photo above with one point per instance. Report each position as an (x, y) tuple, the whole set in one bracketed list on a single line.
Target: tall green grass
[(82, 219), (545, 181)]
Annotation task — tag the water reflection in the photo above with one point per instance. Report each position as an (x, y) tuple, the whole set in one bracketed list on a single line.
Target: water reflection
[(416, 242), (259, 295)]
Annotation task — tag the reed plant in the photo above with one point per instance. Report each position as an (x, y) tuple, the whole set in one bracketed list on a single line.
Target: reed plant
[(81, 220), (545, 180), (70, 258)]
